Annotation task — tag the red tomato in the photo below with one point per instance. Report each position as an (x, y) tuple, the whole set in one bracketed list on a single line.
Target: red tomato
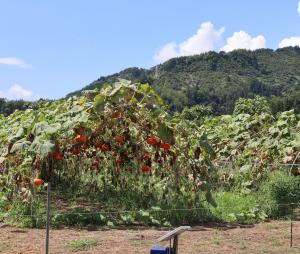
[(119, 139), (165, 146), (105, 148), (37, 181), (146, 156), (80, 138), (146, 168), (152, 140)]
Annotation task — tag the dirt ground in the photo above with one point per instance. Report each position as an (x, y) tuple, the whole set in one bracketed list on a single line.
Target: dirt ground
[(271, 237)]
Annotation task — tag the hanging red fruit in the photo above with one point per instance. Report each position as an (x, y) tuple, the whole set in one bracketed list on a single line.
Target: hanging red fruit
[(37, 181), (165, 146), (95, 165), (146, 168), (58, 157), (80, 138), (105, 148), (97, 145), (146, 156), (152, 140), (119, 139), (119, 161), (116, 115)]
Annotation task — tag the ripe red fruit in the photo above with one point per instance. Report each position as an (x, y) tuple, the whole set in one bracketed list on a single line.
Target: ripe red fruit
[(146, 156), (80, 138), (58, 157), (119, 161), (146, 168), (116, 115), (37, 181), (105, 148), (119, 139), (98, 145), (95, 165), (152, 141), (165, 146)]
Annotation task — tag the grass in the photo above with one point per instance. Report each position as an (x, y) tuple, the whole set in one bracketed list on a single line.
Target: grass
[(271, 226), (82, 244), (216, 240)]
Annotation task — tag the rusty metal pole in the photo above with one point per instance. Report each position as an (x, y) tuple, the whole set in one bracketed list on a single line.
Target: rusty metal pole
[(291, 238), (48, 217)]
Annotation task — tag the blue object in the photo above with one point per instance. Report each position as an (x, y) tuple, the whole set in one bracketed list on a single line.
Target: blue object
[(159, 250)]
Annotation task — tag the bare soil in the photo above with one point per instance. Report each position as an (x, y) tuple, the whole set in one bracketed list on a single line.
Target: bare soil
[(271, 237)]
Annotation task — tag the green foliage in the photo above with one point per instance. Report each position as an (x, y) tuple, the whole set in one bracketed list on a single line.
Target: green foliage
[(237, 208), (258, 105), (24, 214), (97, 144), (196, 113), (279, 192)]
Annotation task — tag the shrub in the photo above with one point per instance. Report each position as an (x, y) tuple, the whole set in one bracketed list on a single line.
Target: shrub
[(280, 192)]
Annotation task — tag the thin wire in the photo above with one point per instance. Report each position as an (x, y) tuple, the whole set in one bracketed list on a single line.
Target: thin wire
[(256, 163), (137, 211)]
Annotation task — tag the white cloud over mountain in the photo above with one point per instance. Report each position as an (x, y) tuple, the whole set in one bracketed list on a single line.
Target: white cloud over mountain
[(16, 92), (290, 41), (205, 39), (208, 38), (242, 40)]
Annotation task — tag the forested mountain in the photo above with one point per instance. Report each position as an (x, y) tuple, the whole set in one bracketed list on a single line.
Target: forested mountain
[(219, 79), (214, 79)]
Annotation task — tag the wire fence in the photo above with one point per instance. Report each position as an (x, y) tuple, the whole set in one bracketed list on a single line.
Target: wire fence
[(204, 236)]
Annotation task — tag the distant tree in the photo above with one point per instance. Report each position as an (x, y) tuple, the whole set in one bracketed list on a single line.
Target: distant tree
[(257, 105)]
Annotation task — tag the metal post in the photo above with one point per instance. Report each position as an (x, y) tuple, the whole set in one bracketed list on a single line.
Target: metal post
[(292, 214), (48, 217), (175, 244)]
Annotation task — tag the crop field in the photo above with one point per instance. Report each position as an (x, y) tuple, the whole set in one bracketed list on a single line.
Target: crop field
[(121, 166), (271, 237)]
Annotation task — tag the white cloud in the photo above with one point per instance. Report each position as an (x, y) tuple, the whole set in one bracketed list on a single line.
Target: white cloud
[(14, 61), (242, 40), (298, 8), (166, 52), (291, 41), (205, 39), (16, 92)]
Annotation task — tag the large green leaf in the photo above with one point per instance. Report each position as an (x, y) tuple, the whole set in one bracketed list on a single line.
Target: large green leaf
[(166, 133), (99, 102)]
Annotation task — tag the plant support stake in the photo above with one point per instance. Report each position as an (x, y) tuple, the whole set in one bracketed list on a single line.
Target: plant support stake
[(48, 217)]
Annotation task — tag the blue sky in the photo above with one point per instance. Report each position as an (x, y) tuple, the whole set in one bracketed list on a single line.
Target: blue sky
[(51, 48)]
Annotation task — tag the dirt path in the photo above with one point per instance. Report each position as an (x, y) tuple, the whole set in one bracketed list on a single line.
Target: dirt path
[(272, 237)]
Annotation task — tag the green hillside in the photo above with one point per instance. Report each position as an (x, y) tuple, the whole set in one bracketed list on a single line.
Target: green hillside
[(218, 79)]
